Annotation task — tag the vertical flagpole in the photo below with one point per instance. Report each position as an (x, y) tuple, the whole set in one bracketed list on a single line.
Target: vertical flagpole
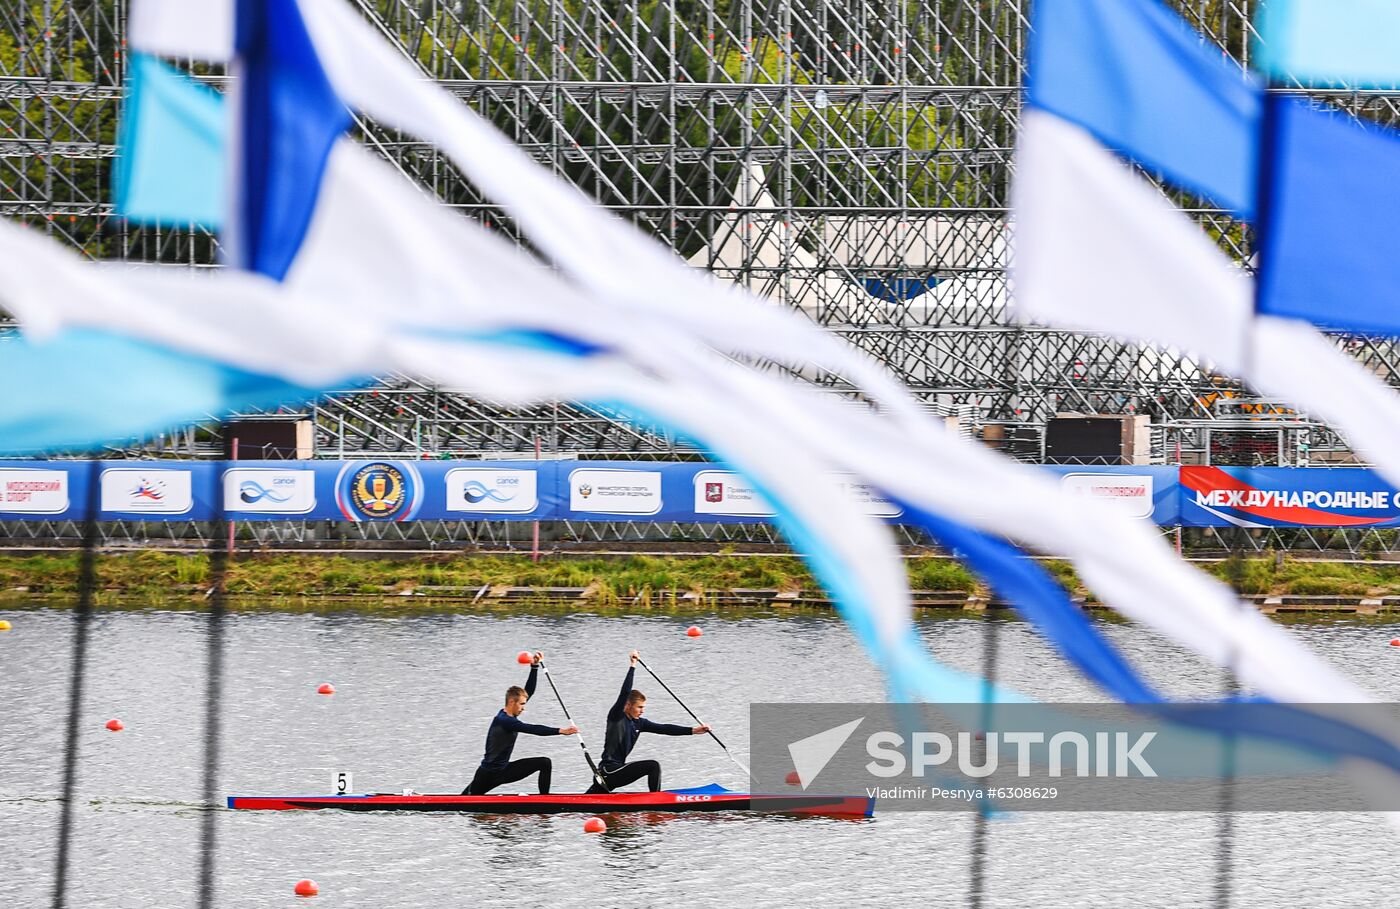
[(82, 623), (535, 536), (232, 525), (1225, 828), (1178, 481), (213, 698)]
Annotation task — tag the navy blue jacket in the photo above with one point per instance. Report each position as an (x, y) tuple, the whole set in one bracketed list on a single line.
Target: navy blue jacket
[(500, 738), (623, 730)]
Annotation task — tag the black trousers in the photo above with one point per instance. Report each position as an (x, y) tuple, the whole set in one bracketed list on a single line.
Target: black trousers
[(486, 780), (630, 773)]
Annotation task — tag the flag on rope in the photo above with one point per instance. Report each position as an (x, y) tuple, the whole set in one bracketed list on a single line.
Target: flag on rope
[(1331, 213), (181, 128), (1099, 248), (1350, 43), (591, 247), (315, 213), (448, 128), (276, 31), (78, 406), (272, 37)]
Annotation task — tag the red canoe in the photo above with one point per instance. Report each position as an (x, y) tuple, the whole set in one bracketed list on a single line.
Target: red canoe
[(704, 798)]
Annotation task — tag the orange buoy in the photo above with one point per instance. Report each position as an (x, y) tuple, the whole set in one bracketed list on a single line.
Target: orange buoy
[(693, 631), (792, 779), (595, 825), (1395, 642), (326, 688), (4, 625), (306, 887), (524, 658), (115, 725)]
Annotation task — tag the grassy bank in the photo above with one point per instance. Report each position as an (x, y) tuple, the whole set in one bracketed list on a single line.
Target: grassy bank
[(162, 576), (1307, 577)]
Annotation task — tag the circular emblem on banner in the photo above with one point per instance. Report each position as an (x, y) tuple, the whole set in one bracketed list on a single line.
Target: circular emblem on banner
[(378, 491)]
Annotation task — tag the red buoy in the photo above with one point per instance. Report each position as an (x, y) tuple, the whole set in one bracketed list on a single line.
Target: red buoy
[(1395, 642), (594, 825), (524, 658), (306, 887), (115, 725), (792, 779), (326, 688), (693, 631)]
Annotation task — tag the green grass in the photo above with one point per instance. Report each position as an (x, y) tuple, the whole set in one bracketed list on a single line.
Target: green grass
[(940, 574), (1303, 577), (611, 580), (161, 575)]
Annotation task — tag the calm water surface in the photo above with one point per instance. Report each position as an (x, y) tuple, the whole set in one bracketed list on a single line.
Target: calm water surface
[(414, 695)]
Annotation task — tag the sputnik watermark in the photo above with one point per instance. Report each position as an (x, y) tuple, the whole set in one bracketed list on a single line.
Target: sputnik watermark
[(977, 755), (1067, 757), (1111, 754)]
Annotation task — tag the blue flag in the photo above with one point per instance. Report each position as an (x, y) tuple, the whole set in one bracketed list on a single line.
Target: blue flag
[(1141, 80), (170, 148), (78, 407), (1330, 220)]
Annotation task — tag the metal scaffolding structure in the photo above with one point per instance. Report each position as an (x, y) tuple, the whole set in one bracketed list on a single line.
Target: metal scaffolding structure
[(847, 158)]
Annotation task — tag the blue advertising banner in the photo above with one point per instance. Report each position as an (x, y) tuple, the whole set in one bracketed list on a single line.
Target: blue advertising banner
[(155, 490), (1287, 497), (44, 490), (687, 492), (1140, 492), (373, 490), (391, 489)]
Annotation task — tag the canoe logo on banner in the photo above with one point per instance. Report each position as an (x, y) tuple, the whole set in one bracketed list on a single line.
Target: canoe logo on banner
[(492, 490), (378, 491), (269, 490)]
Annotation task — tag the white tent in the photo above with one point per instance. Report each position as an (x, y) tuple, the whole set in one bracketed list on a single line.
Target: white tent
[(756, 247)]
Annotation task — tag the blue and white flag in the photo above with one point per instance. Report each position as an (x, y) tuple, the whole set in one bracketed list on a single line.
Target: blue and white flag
[(1330, 215), (614, 272), (314, 212), (1116, 83), (77, 406)]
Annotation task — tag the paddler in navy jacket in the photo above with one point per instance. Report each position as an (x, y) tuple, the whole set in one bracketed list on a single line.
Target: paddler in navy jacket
[(497, 768), (625, 723)]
